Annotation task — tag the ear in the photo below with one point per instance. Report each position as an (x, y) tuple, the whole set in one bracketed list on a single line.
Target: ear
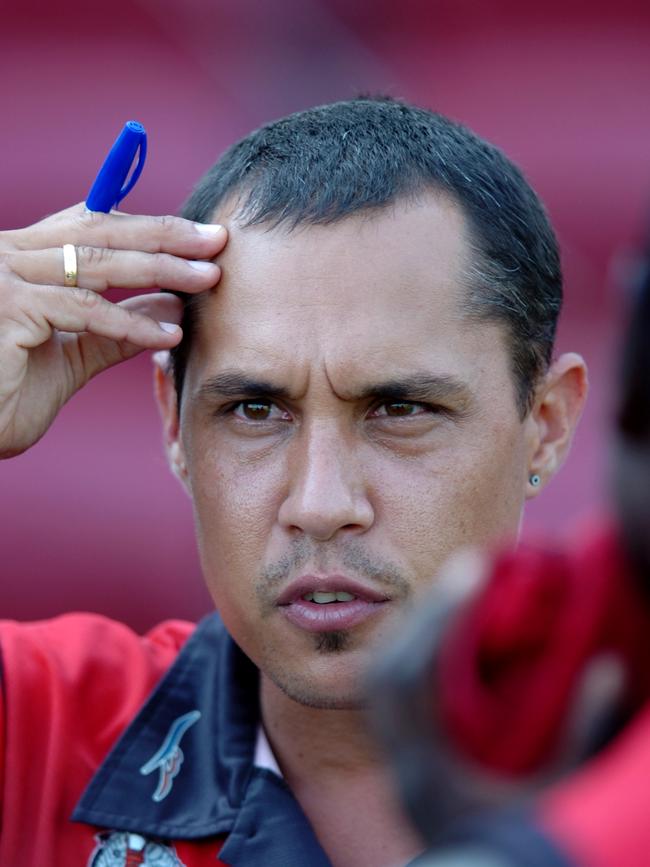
[(559, 400), (165, 393)]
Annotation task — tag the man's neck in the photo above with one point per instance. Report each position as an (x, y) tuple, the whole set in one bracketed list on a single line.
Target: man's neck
[(310, 741), (332, 765)]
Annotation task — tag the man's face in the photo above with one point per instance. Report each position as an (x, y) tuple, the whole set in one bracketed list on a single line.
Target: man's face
[(345, 428)]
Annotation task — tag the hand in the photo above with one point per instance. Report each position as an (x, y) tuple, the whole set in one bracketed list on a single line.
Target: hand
[(54, 338), (436, 785), (500, 687)]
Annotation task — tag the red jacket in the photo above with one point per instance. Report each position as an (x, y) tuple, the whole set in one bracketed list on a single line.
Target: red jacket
[(117, 749)]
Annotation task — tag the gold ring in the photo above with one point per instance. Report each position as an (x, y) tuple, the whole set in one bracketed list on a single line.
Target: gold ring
[(69, 265)]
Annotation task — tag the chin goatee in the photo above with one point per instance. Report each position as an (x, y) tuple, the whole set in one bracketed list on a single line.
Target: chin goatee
[(331, 642)]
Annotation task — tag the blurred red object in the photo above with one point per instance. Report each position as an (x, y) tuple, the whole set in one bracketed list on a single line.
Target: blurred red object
[(511, 669)]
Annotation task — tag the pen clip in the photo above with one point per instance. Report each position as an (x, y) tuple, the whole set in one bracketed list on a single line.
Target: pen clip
[(135, 173), (117, 175)]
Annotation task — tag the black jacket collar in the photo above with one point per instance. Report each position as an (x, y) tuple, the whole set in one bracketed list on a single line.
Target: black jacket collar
[(209, 787)]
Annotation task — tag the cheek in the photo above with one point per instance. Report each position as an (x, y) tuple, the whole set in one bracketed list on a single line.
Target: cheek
[(484, 486), (469, 492), (235, 506)]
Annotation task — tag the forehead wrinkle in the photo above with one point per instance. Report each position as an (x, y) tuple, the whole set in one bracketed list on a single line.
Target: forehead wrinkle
[(347, 371), (418, 385)]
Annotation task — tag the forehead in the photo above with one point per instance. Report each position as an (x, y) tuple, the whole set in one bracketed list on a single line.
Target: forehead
[(374, 290)]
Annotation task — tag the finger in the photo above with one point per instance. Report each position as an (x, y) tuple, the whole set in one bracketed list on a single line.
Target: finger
[(165, 234), (159, 306), (100, 353), (101, 268), (80, 310)]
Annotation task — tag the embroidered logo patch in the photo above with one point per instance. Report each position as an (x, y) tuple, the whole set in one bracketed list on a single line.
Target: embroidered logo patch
[(121, 849), (169, 758)]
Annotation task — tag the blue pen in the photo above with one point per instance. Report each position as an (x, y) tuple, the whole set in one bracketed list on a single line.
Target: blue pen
[(110, 185)]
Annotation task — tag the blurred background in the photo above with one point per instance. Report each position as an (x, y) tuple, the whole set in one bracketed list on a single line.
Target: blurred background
[(90, 518)]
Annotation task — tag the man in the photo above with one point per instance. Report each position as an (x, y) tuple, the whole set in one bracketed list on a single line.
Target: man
[(370, 387)]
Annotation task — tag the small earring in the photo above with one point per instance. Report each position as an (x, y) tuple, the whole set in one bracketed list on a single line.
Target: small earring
[(535, 480)]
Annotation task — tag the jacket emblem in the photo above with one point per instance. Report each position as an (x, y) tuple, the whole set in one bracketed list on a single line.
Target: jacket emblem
[(121, 849), (169, 758)]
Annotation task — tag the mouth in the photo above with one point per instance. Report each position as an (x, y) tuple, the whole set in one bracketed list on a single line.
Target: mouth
[(329, 603)]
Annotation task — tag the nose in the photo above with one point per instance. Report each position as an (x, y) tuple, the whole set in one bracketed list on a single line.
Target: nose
[(327, 492)]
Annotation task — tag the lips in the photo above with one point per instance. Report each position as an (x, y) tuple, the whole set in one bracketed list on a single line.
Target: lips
[(329, 602)]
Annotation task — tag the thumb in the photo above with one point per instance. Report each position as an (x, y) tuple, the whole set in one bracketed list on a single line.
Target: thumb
[(161, 306), (100, 353)]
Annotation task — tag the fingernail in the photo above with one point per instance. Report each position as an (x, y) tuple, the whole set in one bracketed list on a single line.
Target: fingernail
[(161, 358), (209, 229), (169, 327), (198, 265)]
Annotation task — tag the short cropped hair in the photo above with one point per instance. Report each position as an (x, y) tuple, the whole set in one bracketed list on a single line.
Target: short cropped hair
[(327, 163)]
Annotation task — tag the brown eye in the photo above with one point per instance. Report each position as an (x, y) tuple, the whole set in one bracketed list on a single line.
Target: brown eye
[(255, 410), (258, 410), (399, 408)]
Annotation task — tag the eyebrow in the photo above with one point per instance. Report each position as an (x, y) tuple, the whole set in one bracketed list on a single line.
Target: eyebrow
[(234, 383), (415, 387), (418, 387)]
